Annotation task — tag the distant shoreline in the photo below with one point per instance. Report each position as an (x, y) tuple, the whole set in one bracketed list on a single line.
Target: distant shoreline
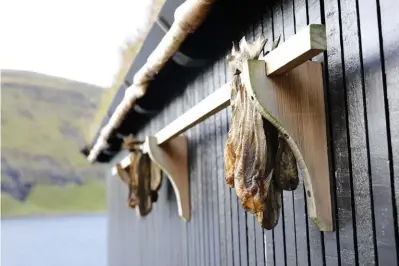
[(61, 215)]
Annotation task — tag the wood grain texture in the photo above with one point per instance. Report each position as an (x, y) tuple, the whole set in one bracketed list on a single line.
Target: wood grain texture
[(288, 196), (296, 101), (321, 249), (339, 136), (357, 134), (307, 43), (171, 157), (389, 33), (301, 220)]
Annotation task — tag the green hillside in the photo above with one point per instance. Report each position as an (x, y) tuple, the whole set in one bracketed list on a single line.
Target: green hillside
[(43, 124)]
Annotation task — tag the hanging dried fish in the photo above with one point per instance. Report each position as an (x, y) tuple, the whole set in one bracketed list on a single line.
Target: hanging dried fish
[(270, 215), (258, 162), (143, 174), (129, 177), (143, 179), (245, 149), (156, 181), (286, 171)]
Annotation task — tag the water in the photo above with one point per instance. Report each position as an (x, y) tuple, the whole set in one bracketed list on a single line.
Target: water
[(54, 241)]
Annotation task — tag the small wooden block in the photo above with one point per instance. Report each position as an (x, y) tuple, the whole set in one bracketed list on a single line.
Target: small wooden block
[(304, 45), (171, 157), (296, 101)]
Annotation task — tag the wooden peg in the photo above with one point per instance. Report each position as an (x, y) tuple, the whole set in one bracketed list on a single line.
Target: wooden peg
[(294, 103), (171, 157)]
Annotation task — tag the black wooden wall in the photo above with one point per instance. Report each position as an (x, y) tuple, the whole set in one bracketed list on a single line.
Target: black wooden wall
[(362, 95)]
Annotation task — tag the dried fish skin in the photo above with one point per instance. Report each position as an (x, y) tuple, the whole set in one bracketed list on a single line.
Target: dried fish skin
[(234, 131), (129, 177), (286, 171), (246, 149), (269, 217), (250, 154), (156, 177), (143, 174)]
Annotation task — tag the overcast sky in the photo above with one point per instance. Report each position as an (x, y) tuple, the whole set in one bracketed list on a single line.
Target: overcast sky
[(74, 39)]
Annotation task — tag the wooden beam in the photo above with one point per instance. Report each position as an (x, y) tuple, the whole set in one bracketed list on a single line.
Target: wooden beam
[(209, 106), (301, 47)]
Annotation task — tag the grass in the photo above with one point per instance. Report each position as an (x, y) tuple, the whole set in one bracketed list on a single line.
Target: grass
[(42, 130), (38, 132), (49, 200)]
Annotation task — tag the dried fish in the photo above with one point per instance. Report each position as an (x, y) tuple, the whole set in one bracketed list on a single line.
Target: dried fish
[(245, 150), (143, 174), (143, 179), (286, 171), (270, 215), (259, 164)]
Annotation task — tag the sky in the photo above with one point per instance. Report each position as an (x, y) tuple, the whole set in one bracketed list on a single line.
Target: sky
[(74, 39)]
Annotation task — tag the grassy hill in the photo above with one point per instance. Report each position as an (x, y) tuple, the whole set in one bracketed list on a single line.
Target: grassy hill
[(43, 124)]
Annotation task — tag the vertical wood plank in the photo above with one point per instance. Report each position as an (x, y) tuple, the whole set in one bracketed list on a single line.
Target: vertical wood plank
[(230, 249), (301, 221), (288, 196), (268, 33), (210, 165), (259, 232), (201, 187), (215, 175), (199, 198), (230, 200), (189, 226), (316, 14), (194, 184), (250, 218), (278, 231), (357, 134), (389, 34), (204, 143), (220, 175), (341, 159)]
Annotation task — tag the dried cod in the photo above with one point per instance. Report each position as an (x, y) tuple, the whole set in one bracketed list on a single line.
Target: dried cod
[(258, 162), (142, 177)]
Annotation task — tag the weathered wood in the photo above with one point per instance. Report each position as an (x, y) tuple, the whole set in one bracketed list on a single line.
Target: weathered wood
[(209, 106), (307, 43), (387, 217), (357, 134), (268, 33), (278, 231), (339, 145), (288, 196), (286, 100), (323, 247), (171, 157), (301, 220), (222, 209)]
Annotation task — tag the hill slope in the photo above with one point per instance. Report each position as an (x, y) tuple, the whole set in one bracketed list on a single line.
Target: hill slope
[(43, 120)]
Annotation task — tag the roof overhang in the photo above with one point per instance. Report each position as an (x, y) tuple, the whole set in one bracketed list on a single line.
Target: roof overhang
[(227, 21)]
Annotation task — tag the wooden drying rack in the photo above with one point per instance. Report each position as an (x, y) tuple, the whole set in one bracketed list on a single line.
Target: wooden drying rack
[(287, 89)]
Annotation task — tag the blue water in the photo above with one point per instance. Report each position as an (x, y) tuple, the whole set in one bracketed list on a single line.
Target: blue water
[(54, 241)]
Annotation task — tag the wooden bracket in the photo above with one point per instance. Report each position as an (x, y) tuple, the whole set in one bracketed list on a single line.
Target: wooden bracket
[(171, 157), (294, 103)]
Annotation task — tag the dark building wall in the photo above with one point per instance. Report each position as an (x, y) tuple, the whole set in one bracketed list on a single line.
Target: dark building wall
[(362, 95)]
